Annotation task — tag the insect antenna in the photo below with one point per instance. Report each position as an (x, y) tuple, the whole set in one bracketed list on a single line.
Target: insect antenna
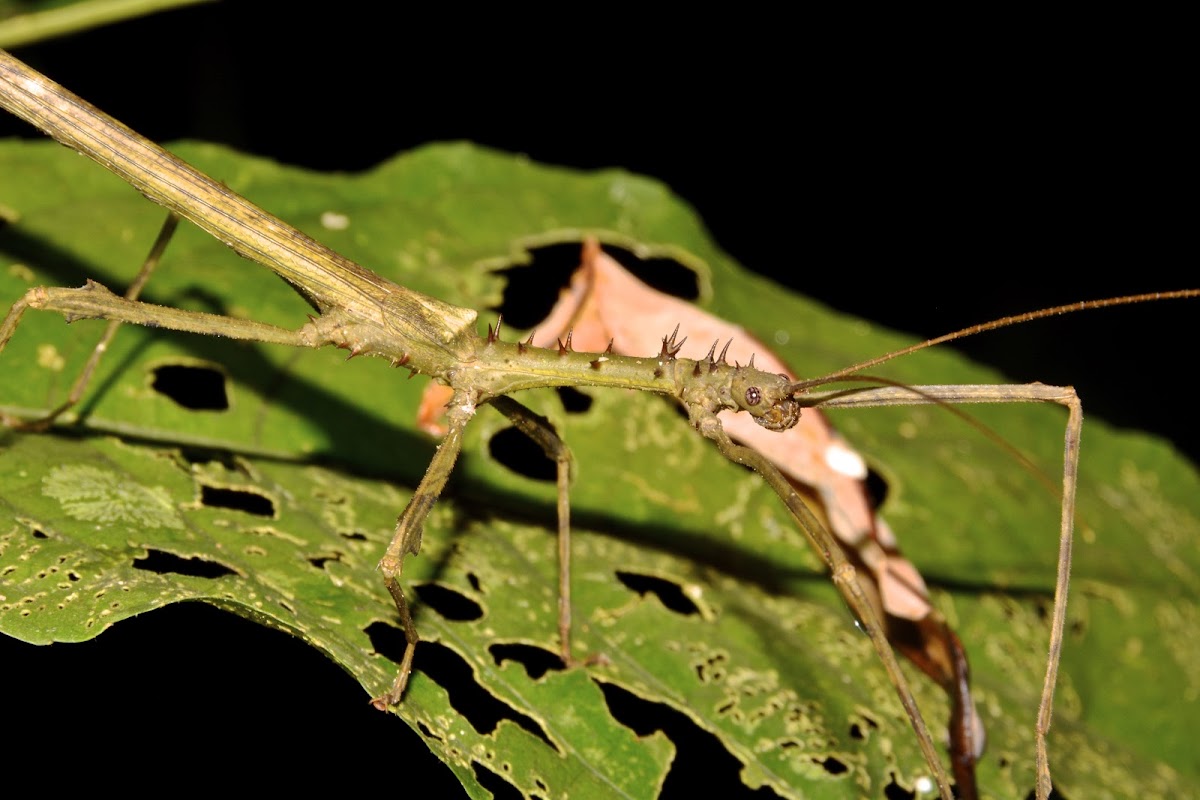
[(1004, 322)]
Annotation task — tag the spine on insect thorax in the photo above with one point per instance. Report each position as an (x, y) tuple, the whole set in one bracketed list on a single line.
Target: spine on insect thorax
[(704, 387), (503, 367)]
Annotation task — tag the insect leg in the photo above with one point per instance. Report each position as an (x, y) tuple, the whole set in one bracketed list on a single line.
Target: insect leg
[(85, 375), (407, 538), (1017, 393), (93, 301), (844, 576), (539, 429)]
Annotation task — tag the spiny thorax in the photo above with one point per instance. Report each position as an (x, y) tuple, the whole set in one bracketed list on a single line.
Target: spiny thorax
[(487, 367), (504, 367), (707, 385)]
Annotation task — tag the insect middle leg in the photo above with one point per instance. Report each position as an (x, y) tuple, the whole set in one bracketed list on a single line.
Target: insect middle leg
[(409, 526)]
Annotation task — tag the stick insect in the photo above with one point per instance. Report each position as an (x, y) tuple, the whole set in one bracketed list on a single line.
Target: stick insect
[(367, 315)]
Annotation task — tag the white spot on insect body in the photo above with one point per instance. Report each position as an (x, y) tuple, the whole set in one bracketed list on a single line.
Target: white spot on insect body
[(334, 221), (844, 461)]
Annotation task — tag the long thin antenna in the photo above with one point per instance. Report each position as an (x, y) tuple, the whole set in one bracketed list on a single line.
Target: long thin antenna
[(1003, 322)]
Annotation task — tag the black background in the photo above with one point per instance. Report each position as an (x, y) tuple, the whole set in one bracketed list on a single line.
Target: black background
[(925, 186)]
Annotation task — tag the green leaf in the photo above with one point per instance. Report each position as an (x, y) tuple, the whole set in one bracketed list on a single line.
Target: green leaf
[(32, 21), (278, 507)]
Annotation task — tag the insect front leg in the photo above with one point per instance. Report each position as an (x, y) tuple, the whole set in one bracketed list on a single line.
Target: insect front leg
[(1018, 393), (407, 538), (844, 576), (85, 375)]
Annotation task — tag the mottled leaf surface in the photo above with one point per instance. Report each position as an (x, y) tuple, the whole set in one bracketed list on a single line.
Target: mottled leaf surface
[(278, 507)]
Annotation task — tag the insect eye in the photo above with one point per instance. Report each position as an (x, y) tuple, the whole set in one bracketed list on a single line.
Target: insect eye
[(753, 396)]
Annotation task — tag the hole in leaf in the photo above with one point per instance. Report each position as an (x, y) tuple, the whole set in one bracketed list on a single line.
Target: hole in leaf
[(894, 791), (522, 455), (449, 670), (861, 729), (532, 289), (669, 593), (238, 500), (876, 487), (427, 733), (702, 767), (833, 766), (386, 640), (500, 788), (320, 561), (1042, 607), (193, 387), (452, 605), (197, 455), (39, 534), (537, 661), (713, 669), (165, 563), (473, 579), (573, 400), (354, 536)]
